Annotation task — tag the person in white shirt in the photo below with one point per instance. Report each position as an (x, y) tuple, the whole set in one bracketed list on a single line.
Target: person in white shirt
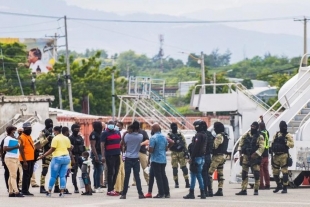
[(11, 147), (36, 65)]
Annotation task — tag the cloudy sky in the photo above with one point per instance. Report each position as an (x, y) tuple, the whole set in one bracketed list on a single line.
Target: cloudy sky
[(173, 7)]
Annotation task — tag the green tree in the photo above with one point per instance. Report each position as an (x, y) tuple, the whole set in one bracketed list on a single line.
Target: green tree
[(87, 80), (247, 83)]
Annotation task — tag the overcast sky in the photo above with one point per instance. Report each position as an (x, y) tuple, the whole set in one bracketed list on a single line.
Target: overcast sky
[(172, 7)]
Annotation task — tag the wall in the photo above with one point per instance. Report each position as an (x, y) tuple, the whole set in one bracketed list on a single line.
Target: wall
[(30, 105)]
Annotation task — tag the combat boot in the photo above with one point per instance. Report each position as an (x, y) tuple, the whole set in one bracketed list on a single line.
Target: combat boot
[(284, 189), (176, 184), (242, 192), (219, 192), (56, 189), (209, 193), (190, 195), (255, 192), (279, 185), (187, 185), (42, 190), (202, 194)]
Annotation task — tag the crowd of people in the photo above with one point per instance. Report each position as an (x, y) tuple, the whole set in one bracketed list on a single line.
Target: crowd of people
[(115, 153)]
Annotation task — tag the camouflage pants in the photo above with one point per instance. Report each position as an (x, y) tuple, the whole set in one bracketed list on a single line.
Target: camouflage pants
[(280, 161), (245, 170), (45, 164), (217, 163), (177, 158)]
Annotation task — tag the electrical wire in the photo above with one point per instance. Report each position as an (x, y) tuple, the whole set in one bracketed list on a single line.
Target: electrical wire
[(26, 25), (155, 21)]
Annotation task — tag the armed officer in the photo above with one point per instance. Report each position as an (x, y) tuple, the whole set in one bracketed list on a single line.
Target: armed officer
[(281, 143), (251, 147), (219, 150), (45, 139), (197, 160), (78, 148), (178, 153)]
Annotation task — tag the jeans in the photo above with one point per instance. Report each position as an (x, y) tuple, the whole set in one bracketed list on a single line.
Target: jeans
[(113, 163), (27, 174), (98, 170), (161, 178), (200, 161), (133, 163), (151, 180), (205, 172), (59, 167)]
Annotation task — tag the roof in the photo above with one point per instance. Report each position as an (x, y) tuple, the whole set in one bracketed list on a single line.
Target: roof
[(259, 90), (66, 113)]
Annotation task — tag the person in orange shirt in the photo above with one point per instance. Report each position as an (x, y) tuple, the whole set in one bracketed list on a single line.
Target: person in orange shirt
[(26, 157)]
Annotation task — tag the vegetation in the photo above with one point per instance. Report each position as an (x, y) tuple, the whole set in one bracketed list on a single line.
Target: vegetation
[(91, 74)]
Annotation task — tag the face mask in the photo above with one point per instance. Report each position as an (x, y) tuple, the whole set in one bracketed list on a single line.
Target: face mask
[(27, 131), (116, 128), (75, 132), (111, 126), (83, 158), (16, 134), (213, 133), (174, 129)]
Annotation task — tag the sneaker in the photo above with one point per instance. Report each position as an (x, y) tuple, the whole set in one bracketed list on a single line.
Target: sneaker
[(28, 194), (148, 195), (87, 193), (99, 190), (141, 196), (76, 191), (112, 193), (48, 194), (123, 197), (103, 186), (35, 186), (167, 196), (61, 195)]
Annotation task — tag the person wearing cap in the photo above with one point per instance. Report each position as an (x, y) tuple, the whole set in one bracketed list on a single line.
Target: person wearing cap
[(251, 148), (61, 150), (27, 157), (281, 143), (78, 148)]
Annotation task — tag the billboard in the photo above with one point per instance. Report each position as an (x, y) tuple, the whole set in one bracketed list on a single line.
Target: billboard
[(41, 52)]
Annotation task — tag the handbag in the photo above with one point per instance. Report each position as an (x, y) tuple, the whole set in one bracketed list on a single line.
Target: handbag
[(289, 161), (36, 152)]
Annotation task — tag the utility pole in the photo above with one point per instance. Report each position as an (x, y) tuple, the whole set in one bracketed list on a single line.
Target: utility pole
[(3, 63), (305, 20), (113, 90), (161, 52), (59, 91), (203, 77), (68, 67), (20, 84)]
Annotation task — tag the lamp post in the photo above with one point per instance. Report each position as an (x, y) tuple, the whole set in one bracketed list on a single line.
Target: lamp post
[(113, 90)]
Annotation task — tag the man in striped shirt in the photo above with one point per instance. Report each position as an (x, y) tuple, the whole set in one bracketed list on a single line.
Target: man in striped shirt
[(111, 150)]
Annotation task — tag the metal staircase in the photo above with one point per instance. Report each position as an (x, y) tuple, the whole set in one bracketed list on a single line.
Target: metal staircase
[(299, 119), (143, 102)]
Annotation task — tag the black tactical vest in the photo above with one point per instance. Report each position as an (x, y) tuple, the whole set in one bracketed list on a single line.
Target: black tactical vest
[(279, 145), (209, 144), (178, 145), (222, 148), (250, 144)]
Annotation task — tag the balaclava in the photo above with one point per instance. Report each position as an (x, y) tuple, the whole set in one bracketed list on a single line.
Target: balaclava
[(283, 127), (174, 127), (254, 127)]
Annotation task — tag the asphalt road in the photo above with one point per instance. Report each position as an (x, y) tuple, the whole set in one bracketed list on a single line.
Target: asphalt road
[(295, 197)]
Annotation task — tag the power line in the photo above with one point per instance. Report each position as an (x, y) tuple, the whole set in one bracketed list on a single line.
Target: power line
[(26, 25), (40, 30), (154, 21)]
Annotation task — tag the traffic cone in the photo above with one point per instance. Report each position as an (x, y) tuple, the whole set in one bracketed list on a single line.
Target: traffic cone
[(215, 175), (306, 181)]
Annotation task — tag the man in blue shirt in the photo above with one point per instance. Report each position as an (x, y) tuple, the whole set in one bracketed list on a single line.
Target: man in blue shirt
[(158, 147)]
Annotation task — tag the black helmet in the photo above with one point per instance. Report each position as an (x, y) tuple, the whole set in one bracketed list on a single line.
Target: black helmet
[(200, 125)]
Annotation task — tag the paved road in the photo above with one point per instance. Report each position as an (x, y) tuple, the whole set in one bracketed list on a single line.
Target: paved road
[(266, 198)]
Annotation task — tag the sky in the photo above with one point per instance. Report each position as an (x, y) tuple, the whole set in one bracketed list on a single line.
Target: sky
[(171, 7)]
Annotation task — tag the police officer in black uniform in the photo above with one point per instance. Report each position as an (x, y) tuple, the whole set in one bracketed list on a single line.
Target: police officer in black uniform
[(78, 148)]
